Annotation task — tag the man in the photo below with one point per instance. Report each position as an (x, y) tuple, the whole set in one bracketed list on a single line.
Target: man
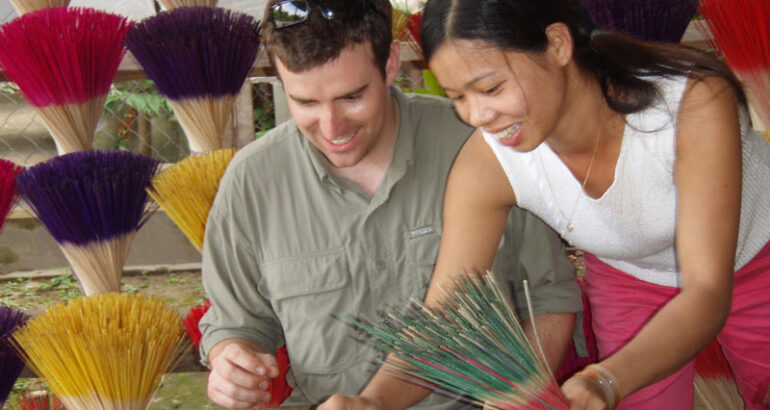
[(337, 212)]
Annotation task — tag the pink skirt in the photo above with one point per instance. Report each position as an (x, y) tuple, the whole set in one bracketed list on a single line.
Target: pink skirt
[(622, 304)]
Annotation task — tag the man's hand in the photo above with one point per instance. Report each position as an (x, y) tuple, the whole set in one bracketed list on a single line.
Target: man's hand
[(340, 402), (240, 374)]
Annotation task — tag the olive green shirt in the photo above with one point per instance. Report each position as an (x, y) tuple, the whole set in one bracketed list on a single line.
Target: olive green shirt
[(290, 249)]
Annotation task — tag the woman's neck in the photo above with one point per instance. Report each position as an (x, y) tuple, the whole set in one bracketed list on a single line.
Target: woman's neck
[(585, 115)]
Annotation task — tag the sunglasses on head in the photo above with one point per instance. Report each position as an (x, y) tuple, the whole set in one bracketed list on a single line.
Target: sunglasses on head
[(287, 13)]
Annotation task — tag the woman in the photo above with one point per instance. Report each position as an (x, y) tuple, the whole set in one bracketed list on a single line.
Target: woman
[(641, 155)]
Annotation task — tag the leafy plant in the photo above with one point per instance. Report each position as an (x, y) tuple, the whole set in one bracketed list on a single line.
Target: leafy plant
[(264, 120), (128, 99), (432, 87)]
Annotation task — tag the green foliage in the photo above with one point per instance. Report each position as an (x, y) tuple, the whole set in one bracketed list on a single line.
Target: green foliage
[(432, 87), (264, 121), (9, 88), (141, 95), (126, 100)]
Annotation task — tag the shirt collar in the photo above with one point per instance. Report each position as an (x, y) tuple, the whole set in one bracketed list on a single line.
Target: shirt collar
[(403, 153)]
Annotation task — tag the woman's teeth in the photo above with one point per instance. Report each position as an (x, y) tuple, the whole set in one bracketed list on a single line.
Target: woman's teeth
[(506, 132)]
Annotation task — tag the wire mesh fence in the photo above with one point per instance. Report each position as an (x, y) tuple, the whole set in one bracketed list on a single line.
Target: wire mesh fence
[(135, 118)]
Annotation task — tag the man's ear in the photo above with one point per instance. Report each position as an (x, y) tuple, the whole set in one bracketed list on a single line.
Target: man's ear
[(560, 44), (393, 65)]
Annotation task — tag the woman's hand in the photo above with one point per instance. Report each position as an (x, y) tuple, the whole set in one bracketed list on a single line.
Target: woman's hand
[(340, 402), (592, 388), (584, 393)]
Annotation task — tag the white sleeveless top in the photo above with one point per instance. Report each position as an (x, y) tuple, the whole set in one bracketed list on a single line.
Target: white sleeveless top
[(631, 227)]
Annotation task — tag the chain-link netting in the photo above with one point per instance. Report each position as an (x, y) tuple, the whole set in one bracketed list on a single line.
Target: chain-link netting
[(135, 118)]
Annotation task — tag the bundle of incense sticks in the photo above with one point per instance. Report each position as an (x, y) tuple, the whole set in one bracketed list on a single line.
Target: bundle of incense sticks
[(739, 29), (8, 173), (28, 6), (92, 203), (103, 352), (714, 382), (64, 59), (471, 345), (173, 4), (10, 364), (649, 20), (279, 389), (187, 189), (192, 319), (198, 58), (406, 27), (413, 39)]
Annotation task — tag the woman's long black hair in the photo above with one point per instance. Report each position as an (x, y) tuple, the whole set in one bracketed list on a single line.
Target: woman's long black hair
[(623, 66)]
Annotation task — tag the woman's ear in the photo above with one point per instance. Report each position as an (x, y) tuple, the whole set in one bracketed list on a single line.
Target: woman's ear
[(560, 45)]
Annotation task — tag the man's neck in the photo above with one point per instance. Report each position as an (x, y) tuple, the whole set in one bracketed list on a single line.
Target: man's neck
[(370, 172)]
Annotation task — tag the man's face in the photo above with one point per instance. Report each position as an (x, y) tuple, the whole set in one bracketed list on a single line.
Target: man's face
[(343, 106)]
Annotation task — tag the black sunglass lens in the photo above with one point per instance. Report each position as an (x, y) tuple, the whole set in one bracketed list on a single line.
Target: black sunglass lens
[(290, 12), (342, 9)]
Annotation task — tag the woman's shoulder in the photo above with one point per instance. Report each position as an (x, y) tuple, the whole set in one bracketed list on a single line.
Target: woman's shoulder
[(478, 169)]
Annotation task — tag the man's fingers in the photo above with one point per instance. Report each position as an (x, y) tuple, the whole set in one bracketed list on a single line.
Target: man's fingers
[(238, 401), (268, 365), (236, 375)]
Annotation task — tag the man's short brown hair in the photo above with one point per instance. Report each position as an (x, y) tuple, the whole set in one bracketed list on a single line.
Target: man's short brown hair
[(318, 41)]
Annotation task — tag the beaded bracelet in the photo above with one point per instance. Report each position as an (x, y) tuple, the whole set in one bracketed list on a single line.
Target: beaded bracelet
[(604, 379)]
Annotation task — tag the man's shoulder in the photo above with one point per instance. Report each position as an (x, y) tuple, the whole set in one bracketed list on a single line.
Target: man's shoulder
[(275, 147), (428, 103), (431, 111)]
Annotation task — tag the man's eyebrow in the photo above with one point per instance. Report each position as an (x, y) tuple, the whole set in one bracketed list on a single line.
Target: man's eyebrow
[(346, 95), (357, 91)]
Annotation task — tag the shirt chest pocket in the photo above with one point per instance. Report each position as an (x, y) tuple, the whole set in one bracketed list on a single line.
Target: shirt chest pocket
[(421, 254), (308, 295)]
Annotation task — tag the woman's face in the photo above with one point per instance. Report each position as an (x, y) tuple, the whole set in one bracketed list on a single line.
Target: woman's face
[(517, 97)]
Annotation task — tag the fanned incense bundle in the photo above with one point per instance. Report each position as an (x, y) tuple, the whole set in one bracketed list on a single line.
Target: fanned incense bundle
[(472, 345), (406, 27), (198, 58), (649, 20), (279, 389), (63, 60), (173, 4), (413, 39), (187, 189), (103, 352), (8, 173), (10, 364), (714, 381), (740, 29), (28, 6), (92, 203), (191, 322)]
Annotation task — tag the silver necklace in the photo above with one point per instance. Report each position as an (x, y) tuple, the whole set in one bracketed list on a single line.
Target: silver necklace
[(570, 224)]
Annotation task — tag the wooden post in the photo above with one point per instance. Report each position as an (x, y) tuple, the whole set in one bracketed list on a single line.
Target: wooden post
[(145, 135), (240, 129)]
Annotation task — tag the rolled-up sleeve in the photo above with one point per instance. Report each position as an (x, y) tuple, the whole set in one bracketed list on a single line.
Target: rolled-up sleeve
[(544, 264), (230, 279)]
